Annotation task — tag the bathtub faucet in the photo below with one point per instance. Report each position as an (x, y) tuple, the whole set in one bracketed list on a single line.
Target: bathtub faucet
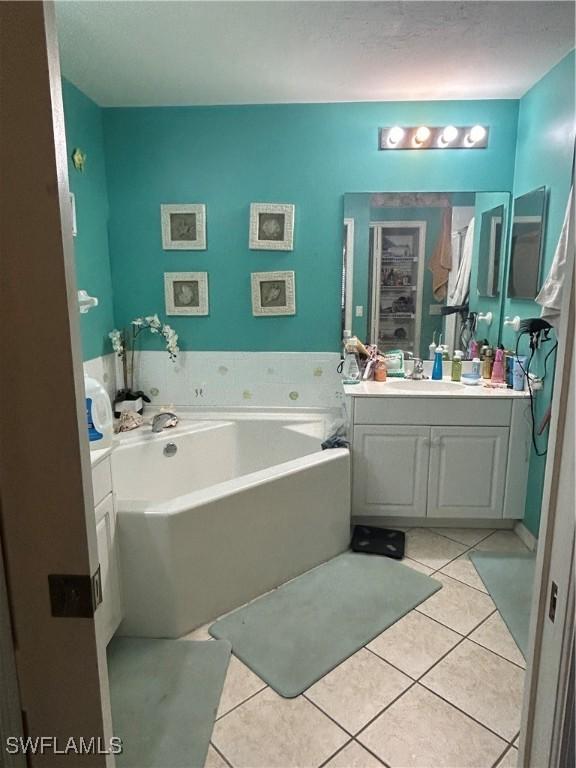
[(163, 420)]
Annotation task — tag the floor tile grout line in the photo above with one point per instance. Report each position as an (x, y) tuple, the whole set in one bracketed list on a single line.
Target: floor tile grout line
[(380, 760), (504, 658), (436, 621), (420, 678), (319, 708), (369, 723), (222, 755), (468, 715), (252, 695), (441, 572), (439, 531), (503, 754), (333, 755)]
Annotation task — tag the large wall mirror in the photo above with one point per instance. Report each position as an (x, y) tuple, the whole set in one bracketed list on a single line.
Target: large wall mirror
[(406, 257), (526, 244)]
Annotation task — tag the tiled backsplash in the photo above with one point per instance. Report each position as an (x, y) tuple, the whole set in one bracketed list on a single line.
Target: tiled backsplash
[(238, 379)]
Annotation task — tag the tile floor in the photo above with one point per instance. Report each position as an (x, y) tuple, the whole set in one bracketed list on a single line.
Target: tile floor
[(441, 688)]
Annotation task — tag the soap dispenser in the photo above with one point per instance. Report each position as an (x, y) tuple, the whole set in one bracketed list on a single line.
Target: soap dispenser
[(437, 370)]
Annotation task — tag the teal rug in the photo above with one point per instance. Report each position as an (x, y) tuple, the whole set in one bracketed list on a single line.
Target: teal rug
[(295, 635), (509, 578), (164, 696)]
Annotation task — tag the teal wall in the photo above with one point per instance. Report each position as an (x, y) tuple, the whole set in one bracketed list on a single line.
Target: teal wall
[(544, 154), (84, 129), (309, 155)]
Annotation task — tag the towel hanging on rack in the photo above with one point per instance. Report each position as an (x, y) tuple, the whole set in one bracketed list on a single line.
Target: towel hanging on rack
[(462, 285), (550, 296), (440, 263)]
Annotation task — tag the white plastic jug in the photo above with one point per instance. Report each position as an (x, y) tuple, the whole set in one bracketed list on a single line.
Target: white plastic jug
[(98, 414)]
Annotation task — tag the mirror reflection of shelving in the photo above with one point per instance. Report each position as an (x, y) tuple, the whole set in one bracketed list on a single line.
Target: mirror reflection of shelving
[(396, 293)]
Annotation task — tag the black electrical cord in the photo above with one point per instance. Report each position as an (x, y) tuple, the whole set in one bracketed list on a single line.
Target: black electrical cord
[(533, 347)]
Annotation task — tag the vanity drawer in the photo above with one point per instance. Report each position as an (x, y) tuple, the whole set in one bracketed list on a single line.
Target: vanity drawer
[(101, 480), (432, 411)]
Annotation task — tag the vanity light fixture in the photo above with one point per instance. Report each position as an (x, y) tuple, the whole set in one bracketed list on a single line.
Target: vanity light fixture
[(439, 137), (395, 135), (477, 133), (448, 135), (422, 135)]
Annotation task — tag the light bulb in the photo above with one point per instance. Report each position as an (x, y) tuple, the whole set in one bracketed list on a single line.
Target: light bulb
[(477, 133), (449, 134), (395, 135), (422, 134)]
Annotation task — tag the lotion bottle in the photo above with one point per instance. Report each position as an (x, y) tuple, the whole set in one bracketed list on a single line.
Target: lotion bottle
[(437, 371), (498, 367)]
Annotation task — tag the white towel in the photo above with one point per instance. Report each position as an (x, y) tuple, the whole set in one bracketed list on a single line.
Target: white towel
[(550, 296), (462, 284)]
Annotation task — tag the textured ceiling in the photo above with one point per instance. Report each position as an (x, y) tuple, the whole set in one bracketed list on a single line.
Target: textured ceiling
[(175, 53)]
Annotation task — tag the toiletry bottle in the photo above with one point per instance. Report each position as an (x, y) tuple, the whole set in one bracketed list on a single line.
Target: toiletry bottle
[(445, 353), (519, 368), (476, 367), (350, 369), (380, 373), (432, 347), (474, 350), (498, 367), (457, 365), (98, 414), (487, 363), (437, 371)]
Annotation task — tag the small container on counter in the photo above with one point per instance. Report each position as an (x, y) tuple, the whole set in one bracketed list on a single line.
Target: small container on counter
[(380, 373), (487, 363), (476, 367), (519, 375), (457, 365)]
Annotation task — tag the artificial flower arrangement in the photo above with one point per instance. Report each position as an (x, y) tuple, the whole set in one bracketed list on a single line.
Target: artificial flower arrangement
[(124, 345)]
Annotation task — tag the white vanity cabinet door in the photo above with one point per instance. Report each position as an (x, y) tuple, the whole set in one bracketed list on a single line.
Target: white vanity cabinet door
[(390, 470), (109, 613), (467, 471)]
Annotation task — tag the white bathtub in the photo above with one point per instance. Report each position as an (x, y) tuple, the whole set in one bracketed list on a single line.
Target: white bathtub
[(245, 504)]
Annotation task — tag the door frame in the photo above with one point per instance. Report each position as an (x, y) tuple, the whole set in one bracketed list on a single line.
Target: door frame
[(377, 227), (551, 641), (47, 523)]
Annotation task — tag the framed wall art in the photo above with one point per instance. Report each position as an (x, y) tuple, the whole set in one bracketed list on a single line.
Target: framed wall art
[(186, 293), (271, 226), (183, 227), (273, 293)]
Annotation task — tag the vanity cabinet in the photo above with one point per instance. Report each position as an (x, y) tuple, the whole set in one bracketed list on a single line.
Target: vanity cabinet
[(467, 472), (109, 614), (439, 458), (391, 469)]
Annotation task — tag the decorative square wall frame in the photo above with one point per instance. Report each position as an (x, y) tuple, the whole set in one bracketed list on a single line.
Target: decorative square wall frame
[(186, 293), (183, 227), (271, 227), (273, 293)]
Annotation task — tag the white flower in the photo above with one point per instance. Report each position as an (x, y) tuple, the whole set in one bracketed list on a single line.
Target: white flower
[(115, 337)]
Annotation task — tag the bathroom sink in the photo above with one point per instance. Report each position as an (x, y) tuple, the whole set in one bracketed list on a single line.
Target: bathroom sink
[(425, 385)]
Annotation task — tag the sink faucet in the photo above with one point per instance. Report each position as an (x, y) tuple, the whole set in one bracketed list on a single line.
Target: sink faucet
[(418, 370), (162, 420)]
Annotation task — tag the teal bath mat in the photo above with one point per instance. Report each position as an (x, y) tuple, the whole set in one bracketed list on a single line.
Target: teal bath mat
[(509, 578), (164, 696), (295, 635)]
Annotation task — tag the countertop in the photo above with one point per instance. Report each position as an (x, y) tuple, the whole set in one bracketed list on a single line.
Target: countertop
[(428, 388)]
